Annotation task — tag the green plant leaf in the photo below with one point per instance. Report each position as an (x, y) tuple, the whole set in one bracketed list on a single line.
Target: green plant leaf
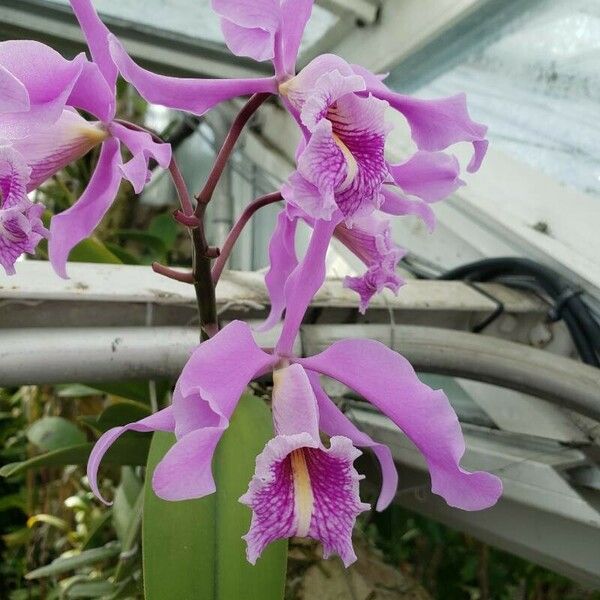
[(194, 549), (54, 433), (93, 251), (70, 563), (130, 449), (164, 227)]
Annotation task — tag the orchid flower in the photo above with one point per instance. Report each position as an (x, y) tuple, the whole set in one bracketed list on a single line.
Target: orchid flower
[(302, 487), (340, 110)]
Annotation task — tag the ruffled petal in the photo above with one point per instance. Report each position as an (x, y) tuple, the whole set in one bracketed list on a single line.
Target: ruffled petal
[(304, 282), (49, 149), (14, 177), (143, 148), (48, 79), (389, 382), (160, 421), (373, 282), (334, 422), (307, 198), (283, 261), (96, 35), (192, 95), (395, 204), (75, 224), (302, 489), (432, 176)]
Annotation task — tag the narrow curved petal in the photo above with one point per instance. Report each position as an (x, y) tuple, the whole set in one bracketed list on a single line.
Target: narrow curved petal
[(93, 94), (143, 148), (96, 34), (437, 124), (13, 94), (48, 79), (395, 204), (283, 261), (431, 176), (304, 282), (302, 489), (160, 421), (217, 373), (191, 95), (75, 224), (253, 42), (49, 149), (389, 382), (334, 422), (295, 16), (206, 395)]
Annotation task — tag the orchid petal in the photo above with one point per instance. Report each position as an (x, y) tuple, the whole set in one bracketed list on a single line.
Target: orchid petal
[(48, 79), (295, 16), (283, 261), (389, 382), (76, 223), (306, 197), (14, 176), (49, 149), (302, 489), (191, 95), (206, 395), (395, 204), (432, 176), (93, 94), (334, 422), (96, 34), (160, 421), (13, 94), (143, 148), (254, 42), (304, 282)]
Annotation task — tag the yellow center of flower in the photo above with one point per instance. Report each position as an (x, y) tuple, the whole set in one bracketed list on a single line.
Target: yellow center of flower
[(303, 494), (351, 164)]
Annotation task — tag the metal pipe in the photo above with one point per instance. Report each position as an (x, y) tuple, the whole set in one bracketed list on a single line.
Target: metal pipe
[(87, 355)]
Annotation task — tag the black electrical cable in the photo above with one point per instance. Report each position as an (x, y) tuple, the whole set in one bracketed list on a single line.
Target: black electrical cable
[(568, 304)]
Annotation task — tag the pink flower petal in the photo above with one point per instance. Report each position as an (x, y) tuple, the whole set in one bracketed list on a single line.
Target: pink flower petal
[(395, 204)]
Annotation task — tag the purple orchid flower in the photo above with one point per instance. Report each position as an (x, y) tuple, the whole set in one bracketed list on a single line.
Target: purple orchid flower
[(75, 224), (301, 487), (21, 227)]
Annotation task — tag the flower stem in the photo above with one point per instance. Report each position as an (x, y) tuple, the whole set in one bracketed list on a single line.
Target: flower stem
[(205, 196), (235, 233)]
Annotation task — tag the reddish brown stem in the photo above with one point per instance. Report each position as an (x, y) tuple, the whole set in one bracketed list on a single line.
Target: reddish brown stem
[(235, 233), (172, 273), (205, 196)]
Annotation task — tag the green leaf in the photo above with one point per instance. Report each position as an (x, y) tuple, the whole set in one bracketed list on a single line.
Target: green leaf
[(127, 258), (194, 549), (130, 449), (153, 244), (125, 500), (121, 413), (83, 559), (90, 589), (93, 251), (165, 228), (53, 433)]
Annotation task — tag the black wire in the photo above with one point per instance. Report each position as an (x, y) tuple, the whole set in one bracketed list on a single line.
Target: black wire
[(568, 305)]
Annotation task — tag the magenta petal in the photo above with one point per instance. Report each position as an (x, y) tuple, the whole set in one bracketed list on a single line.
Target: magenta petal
[(302, 489), (432, 176), (295, 16), (334, 422), (48, 79), (294, 403), (185, 473), (75, 224), (192, 95), (218, 372), (143, 148), (160, 421), (255, 42), (283, 261), (13, 94), (96, 34), (305, 196), (389, 382), (305, 282), (14, 176), (51, 148), (395, 204), (93, 94)]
